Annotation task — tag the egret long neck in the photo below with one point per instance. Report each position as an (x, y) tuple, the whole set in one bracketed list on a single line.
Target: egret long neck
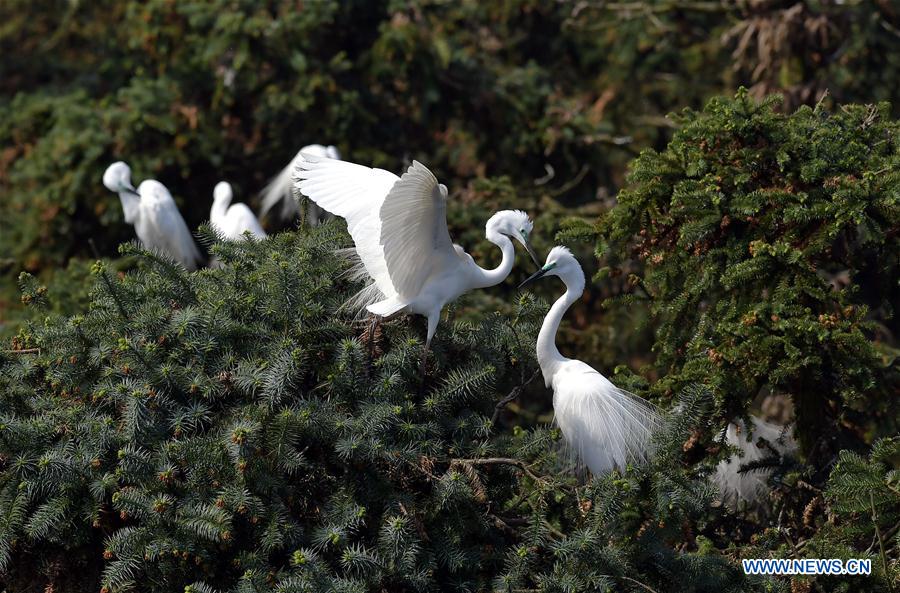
[(497, 275), (219, 211), (547, 354)]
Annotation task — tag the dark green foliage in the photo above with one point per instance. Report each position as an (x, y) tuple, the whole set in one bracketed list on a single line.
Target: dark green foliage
[(196, 91), (227, 431), (768, 254)]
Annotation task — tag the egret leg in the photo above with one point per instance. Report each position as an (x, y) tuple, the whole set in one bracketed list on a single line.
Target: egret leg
[(373, 324), (423, 366)]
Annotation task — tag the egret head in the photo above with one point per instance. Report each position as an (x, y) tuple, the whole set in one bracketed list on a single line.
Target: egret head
[(222, 192), (561, 262), (117, 178), (514, 224)]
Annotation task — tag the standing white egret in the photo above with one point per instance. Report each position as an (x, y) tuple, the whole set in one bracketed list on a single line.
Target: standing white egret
[(749, 487), (279, 190), (154, 214), (399, 229), (232, 221), (605, 426)]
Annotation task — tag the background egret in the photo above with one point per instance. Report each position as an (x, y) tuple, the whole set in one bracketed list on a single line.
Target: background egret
[(749, 487), (399, 228), (234, 220), (605, 426), (279, 191), (155, 217)]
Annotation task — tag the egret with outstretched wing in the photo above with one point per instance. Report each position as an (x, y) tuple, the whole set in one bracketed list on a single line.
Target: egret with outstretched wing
[(154, 214), (399, 229), (605, 426), (279, 190)]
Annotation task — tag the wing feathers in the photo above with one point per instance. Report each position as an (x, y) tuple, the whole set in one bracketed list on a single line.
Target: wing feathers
[(414, 229), (355, 193)]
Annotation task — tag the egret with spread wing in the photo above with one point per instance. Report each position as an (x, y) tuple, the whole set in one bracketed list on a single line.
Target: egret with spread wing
[(605, 426), (279, 190), (399, 229), (234, 220), (152, 211)]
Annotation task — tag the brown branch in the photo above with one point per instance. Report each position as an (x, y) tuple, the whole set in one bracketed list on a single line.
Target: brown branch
[(23, 351), (515, 393), (501, 461), (631, 580), (884, 564)]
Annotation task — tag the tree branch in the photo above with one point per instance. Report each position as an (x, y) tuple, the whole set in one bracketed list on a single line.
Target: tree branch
[(515, 393)]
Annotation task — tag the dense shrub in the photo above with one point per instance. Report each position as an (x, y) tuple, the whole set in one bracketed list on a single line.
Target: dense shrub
[(768, 254), (230, 430)]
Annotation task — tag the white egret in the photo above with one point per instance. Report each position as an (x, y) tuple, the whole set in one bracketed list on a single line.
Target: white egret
[(234, 220), (280, 189), (605, 426), (154, 214), (399, 229), (749, 487)]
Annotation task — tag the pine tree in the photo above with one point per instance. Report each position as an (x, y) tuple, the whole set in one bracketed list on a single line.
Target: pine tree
[(233, 430)]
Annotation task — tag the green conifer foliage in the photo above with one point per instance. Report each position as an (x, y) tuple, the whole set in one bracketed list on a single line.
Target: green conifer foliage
[(233, 430), (766, 249)]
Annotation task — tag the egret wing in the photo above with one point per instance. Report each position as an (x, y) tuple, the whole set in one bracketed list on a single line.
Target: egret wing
[(278, 190), (167, 231), (355, 193), (414, 229)]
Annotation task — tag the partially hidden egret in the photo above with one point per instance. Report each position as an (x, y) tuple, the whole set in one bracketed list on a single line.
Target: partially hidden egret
[(399, 229), (234, 220), (279, 191), (765, 440), (154, 214), (605, 426)]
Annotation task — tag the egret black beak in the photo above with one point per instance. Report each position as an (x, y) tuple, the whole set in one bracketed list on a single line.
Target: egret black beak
[(534, 276), (534, 256), (130, 189)]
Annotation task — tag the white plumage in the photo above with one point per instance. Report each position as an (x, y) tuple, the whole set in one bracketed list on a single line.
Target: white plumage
[(154, 214), (279, 193), (234, 220), (605, 426), (750, 487), (399, 229)]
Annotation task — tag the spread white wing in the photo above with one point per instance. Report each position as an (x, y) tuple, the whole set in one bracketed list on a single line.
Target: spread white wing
[(414, 229), (355, 193), (278, 190)]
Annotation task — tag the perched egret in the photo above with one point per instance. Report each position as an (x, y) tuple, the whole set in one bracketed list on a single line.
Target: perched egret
[(232, 221), (155, 217), (399, 229), (605, 426), (749, 487), (279, 190)]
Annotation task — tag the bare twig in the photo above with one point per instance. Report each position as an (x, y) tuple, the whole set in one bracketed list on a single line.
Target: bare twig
[(515, 393), (880, 541), (23, 351), (501, 461), (571, 183)]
